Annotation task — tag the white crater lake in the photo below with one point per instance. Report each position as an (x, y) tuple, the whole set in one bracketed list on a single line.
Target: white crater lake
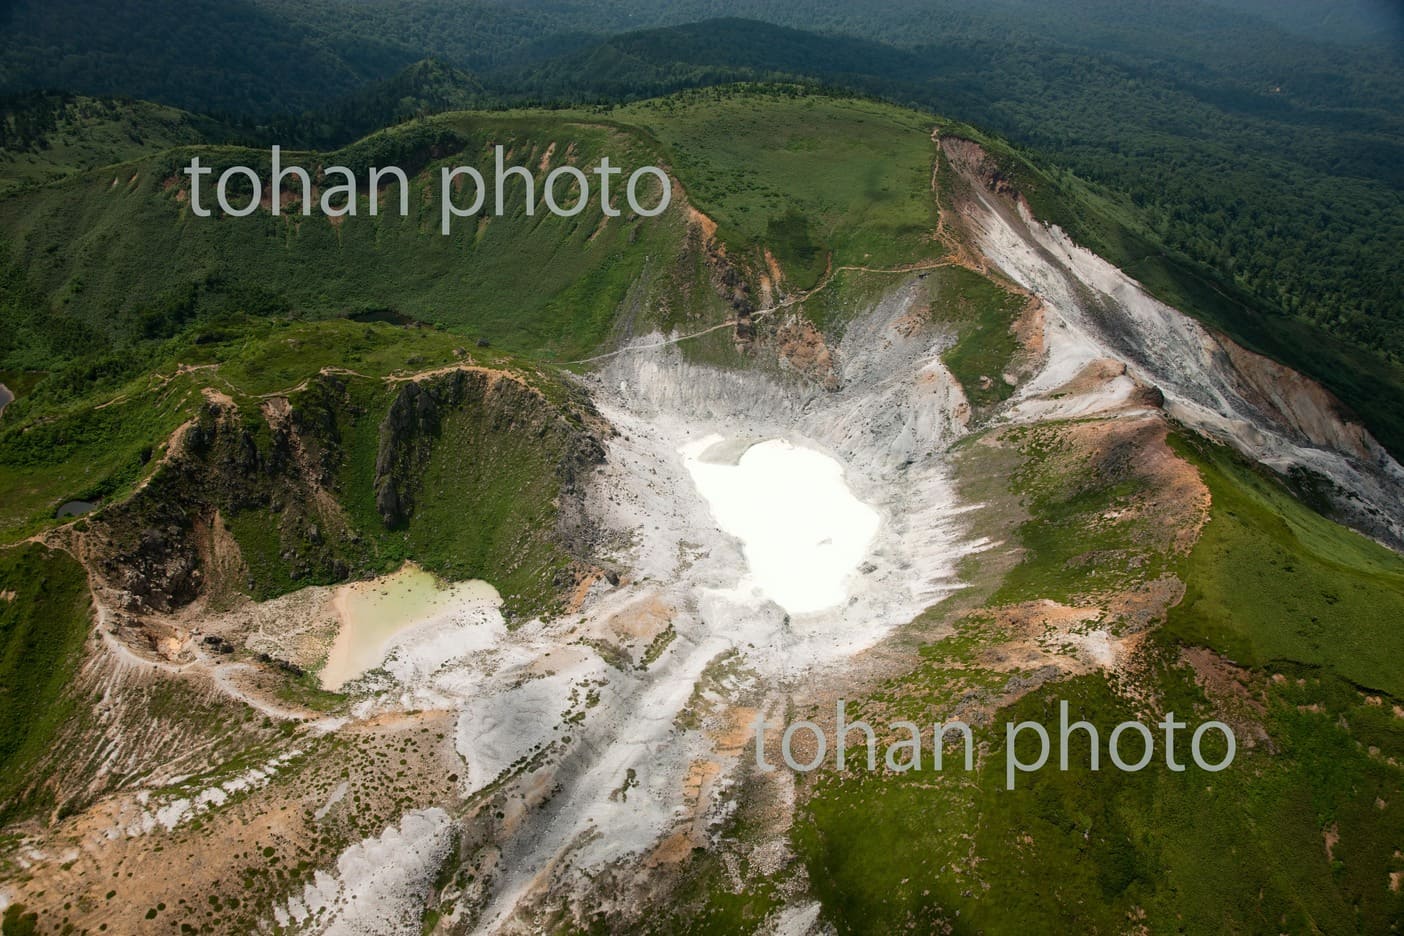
[(802, 531)]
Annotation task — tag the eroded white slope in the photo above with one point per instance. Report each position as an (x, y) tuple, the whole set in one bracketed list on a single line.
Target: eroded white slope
[(379, 886), (622, 779), (1093, 310)]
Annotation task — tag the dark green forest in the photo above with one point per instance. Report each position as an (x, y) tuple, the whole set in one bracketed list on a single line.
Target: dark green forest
[(1260, 146)]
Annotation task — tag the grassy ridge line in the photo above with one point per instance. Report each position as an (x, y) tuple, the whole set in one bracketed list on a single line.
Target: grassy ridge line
[(85, 245), (819, 182), (45, 136), (1272, 583), (82, 247)]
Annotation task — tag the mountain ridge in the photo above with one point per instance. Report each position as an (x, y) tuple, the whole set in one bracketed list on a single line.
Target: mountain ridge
[(1060, 524)]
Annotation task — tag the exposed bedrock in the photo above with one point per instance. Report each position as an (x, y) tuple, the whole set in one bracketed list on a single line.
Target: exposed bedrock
[(686, 648), (1093, 310), (284, 462)]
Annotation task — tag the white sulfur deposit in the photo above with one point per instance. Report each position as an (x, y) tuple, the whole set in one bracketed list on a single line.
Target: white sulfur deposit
[(379, 885), (770, 530), (1094, 310), (803, 531)]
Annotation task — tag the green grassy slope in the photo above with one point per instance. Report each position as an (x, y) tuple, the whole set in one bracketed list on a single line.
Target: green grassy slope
[(44, 616), (48, 136), (1241, 851), (1271, 582), (808, 177), (84, 454), (87, 246), (982, 314), (1245, 850)]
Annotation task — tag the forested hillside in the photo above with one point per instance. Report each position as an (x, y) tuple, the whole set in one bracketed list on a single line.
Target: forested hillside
[(1237, 149), (1242, 145)]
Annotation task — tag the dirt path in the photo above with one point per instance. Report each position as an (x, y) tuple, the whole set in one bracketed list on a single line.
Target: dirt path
[(159, 381), (220, 674), (770, 310), (959, 256)]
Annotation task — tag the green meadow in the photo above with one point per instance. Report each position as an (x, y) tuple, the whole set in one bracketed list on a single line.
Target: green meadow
[(1309, 608)]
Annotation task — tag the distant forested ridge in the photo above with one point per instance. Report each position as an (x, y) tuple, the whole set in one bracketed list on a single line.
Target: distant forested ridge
[(1298, 203), (1261, 144)]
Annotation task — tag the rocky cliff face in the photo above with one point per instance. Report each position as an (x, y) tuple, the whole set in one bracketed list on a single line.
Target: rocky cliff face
[(151, 549), (406, 436), (276, 479), (1095, 311)]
